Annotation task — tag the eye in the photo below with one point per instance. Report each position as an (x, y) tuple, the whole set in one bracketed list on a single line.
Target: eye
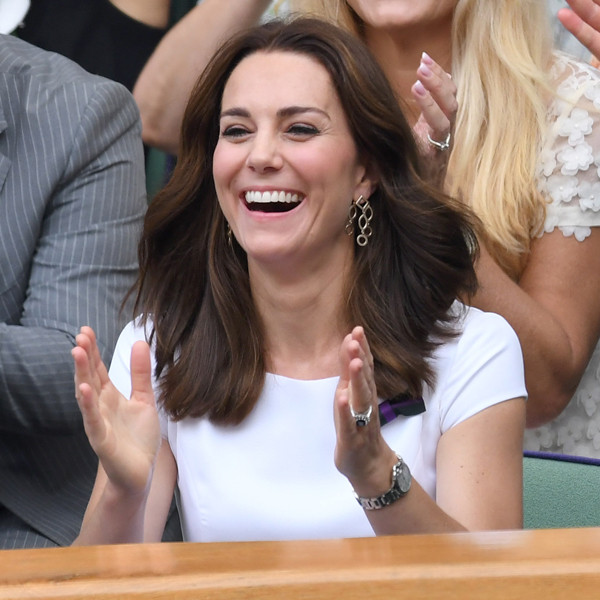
[(302, 130), (234, 131)]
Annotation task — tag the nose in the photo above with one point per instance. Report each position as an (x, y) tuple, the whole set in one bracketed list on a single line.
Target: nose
[(264, 153)]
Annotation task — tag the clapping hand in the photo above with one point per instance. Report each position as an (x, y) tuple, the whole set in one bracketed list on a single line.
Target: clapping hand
[(124, 433), (435, 94), (361, 453)]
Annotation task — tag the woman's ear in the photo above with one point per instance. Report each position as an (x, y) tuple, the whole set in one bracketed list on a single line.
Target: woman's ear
[(367, 185)]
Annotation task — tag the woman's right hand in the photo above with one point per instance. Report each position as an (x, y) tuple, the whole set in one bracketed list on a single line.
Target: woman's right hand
[(125, 434), (435, 94)]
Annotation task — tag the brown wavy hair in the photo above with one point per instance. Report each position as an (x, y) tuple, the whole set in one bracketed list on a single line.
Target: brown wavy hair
[(194, 290)]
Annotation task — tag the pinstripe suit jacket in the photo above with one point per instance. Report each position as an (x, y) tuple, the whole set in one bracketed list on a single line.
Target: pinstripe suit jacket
[(72, 199)]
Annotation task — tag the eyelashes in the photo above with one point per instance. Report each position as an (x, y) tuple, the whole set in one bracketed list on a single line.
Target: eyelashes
[(303, 130), (297, 130), (235, 131)]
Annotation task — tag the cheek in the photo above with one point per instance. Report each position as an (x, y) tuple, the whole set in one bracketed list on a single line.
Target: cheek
[(224, 171), (222, 165), (333, 164)]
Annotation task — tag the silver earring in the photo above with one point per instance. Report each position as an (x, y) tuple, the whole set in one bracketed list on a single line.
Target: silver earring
[(364, 220)]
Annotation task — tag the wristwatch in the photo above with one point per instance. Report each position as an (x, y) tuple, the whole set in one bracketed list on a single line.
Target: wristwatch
[(401, 480)]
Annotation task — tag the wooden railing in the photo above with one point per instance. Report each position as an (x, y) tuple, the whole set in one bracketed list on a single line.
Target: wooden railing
[(528, 565)]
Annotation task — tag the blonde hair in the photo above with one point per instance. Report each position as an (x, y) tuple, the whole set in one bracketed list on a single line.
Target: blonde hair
[(335, 11), (500, 60)]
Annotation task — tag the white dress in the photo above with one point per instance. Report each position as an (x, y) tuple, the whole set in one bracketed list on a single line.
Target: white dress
[(569, 176), (273, 478)]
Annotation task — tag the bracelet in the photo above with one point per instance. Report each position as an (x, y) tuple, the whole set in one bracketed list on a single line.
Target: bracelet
[(401, 480)]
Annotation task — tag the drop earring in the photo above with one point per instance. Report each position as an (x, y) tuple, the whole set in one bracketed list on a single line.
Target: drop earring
[(229, 235), (364, 220)]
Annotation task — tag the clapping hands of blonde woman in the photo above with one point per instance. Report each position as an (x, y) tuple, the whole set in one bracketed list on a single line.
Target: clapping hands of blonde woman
[(583, 21), (361, 453), (125, 434), (435, 95)]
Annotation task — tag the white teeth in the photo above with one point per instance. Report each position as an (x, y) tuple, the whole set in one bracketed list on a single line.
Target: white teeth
[(266, 197)]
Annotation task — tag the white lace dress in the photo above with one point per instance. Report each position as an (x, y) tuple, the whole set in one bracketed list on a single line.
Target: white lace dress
[(569, 177)]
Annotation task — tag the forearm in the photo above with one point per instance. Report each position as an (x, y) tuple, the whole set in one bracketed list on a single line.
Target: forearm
[(416, 512), (154, 13), (166, 81), (116, 518), (134, 513), (552, 365)]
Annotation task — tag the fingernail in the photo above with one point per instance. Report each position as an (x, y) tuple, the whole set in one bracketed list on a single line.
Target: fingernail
[(419, 89), (426, 59), (424, 70)]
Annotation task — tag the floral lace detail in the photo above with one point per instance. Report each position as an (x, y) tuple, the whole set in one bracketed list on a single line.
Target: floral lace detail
[(576, 430), (569, 178), (569, 165)]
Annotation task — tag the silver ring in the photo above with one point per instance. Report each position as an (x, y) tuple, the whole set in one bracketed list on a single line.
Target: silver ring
[(440, 145), (363, 418)]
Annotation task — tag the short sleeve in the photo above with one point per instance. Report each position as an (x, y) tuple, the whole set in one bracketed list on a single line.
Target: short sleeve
[(568, 170), (485, 368)]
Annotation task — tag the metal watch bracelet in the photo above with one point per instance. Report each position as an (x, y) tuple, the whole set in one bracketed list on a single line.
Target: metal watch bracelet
[(401, 480)]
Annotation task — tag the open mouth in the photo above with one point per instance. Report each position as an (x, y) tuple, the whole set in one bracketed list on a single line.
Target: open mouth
[(272, 202)]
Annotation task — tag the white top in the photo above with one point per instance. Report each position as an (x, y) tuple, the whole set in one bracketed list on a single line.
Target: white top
[(569, 177), (273, 477), (12, 13)]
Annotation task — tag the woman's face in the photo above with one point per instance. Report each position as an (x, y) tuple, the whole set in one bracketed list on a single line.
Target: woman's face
[(389, 14), (286, 167)]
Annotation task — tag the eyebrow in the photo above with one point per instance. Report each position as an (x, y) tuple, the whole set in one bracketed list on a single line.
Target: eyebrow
[(287, 111)]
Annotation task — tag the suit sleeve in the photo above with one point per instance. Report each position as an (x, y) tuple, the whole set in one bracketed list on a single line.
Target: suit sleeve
[(84, 263)]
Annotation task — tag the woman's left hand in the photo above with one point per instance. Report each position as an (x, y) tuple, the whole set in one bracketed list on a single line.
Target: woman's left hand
[(435, 94), (361, 453)]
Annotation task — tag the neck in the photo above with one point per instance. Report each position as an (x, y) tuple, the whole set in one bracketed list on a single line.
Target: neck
[(303, 317), (398, 51)]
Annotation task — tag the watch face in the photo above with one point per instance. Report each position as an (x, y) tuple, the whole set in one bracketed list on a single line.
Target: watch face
[(403, 478)]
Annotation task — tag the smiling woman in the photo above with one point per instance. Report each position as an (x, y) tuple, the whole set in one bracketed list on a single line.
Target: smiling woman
[(282, 138), (298, 289)]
